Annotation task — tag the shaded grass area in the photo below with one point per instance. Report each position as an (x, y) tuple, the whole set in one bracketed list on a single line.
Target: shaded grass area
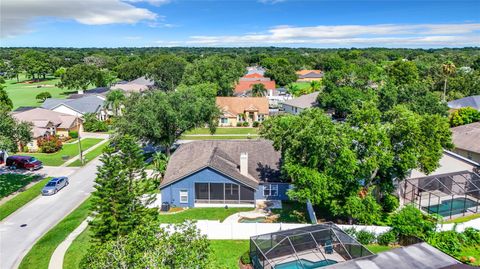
[(226, 253), (90, 156), (201, 214), (39, 256), (219, 137), (292, 212), (10, 183), (23, 93), (378, 248), (70, 150), (77, 250), (223, 131), (22, 199), (463, 219)]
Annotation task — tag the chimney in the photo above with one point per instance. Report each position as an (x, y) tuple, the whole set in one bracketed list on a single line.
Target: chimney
[(244, 163)]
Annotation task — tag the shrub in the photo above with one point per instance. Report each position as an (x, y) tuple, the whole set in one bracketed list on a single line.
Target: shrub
[(239, 124), (411, 222), (390, 203), (49, 144), (92, 124), (245, 124), (449, 242), (387, 238), (351, 231), (464, 115), (246, 258), (365, 210), (43, 96), (256, 124), (73, 134), (472, 236), (365, 237)]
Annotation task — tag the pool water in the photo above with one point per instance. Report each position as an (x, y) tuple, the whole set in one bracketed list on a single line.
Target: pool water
[(306, 264), (457, 205), (252, 220)]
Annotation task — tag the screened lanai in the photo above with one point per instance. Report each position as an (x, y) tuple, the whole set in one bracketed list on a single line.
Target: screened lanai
[(304, 248), (449, 195)]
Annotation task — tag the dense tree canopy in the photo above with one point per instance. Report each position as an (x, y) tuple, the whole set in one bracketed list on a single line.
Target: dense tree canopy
[(280, 70), (12, 133), (79, 77), (166, 71)]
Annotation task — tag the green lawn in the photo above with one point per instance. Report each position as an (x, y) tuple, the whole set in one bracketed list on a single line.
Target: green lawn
[(226, 253), (473, 251), (10, 183), (463, 219), (23, 94), (77, 250), (22, 198), (224, 131), (201, 214), (90, 156), (292, 212), (39, 256), (378, 248), (71, 150)]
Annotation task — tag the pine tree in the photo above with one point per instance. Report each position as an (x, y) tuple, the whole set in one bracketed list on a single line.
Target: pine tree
[(119, 201)]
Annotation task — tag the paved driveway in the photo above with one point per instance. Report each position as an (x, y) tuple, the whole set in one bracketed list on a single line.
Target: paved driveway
[(41, 215)]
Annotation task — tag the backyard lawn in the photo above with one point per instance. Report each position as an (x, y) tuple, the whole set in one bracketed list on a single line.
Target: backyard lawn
[(10, 183), (70, 150), (378, 248), (292, 212), (22, 198), (224, 131), (90, 156), (463, 219), (39, 256), (226, 253), (23, 93), (201, 214)]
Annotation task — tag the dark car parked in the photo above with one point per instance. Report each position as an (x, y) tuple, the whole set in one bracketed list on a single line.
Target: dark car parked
[(23, 162)]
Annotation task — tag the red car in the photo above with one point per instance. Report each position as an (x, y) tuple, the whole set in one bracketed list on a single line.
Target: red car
[(23, 162)]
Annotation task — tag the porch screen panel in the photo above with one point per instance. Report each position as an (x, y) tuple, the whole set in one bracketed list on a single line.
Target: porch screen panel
[(246, 194), (201, 191), (231, 192), (216, 191)]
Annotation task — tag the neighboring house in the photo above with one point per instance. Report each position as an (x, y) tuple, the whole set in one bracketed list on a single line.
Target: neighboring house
[(309, 75), (78, 107), (138, 85), (245, 85), (466, 139), (46, 122), (256, 70), (470, 101), (100, 91), (242, 109), (297, 105), (277, 97), (218, 173)]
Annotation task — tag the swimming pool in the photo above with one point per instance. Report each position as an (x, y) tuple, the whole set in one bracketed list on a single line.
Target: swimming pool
[(306, 264), (457, 206)]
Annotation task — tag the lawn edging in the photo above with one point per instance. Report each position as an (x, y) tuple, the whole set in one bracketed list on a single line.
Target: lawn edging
[(22, 198), (40, 254)]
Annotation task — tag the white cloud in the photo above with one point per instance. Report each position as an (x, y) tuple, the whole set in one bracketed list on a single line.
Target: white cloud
[(151, 2), (393, 35), (17, 14)]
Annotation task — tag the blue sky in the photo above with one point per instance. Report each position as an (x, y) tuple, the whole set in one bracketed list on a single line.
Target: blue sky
[(290, 23)]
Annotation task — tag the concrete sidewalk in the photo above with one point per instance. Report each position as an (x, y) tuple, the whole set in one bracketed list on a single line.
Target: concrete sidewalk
[(65, 164)]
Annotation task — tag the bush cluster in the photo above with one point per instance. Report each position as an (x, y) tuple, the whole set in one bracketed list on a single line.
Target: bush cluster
[(73, 134), (49, 144), (452, 242), (245, 258), (256, 124)]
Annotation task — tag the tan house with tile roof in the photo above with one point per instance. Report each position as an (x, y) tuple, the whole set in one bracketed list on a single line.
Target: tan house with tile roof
[(242, 109)]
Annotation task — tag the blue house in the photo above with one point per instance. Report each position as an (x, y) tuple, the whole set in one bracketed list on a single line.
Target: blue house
[(219, 173)]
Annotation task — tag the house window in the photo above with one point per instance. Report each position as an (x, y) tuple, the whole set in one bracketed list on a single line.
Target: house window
[(184, 196), (261, 117), (270, 190), (224, 120)]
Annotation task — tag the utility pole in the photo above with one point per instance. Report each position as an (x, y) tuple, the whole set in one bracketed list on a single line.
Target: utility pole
[(79, 144)]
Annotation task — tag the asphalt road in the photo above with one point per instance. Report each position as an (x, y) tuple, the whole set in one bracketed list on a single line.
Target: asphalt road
[(41, 214)]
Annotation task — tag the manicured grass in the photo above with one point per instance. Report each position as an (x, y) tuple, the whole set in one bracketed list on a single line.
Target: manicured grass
[(463, 219), (10, 183), (217, 137), (201, 214), (90, 156), (77, 250), (23, 94), (223, 131), (39, 256), (22, 198), (71, 150), (292, 212), (378, 248), (226, 253), (473, 251)]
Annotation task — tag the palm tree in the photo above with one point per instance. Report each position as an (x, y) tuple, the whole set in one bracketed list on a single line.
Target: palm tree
[(114, 100), (448, 69), (258, 90), (293, 89), (315, 86)]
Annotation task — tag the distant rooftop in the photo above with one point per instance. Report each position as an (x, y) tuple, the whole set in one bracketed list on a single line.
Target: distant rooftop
[(467, 137), (304, 101), (470, 101)]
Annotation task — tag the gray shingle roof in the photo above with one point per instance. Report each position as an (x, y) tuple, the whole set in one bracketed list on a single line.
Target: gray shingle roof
[(471, 101), (87, 104), (467, 137), (224, 156), (304, 101), (418, 256)]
